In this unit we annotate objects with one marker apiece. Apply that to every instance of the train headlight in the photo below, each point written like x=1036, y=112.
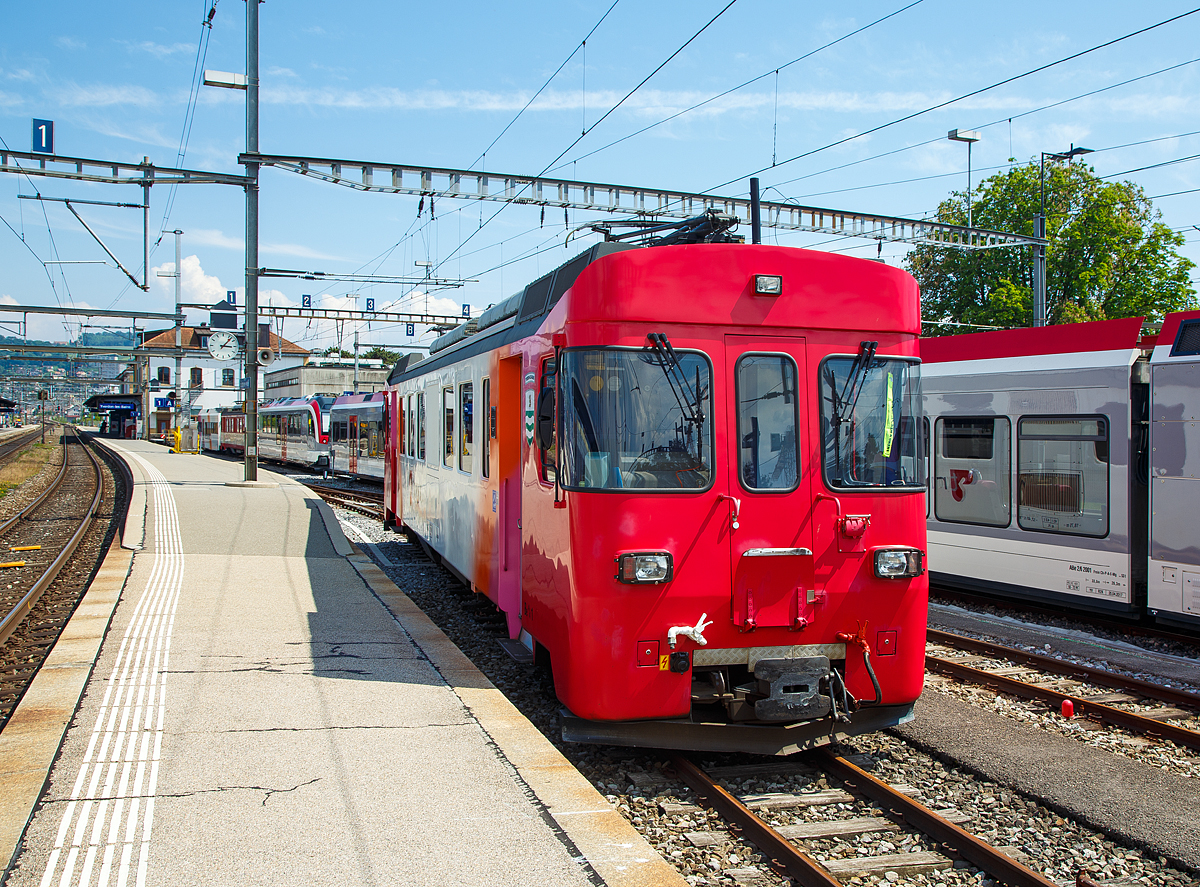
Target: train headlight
x=899, y=563
x=645, y=568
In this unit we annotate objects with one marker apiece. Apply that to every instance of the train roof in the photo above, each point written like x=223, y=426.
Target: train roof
x=692, y=284
x=346, y=400
x=1067, y=338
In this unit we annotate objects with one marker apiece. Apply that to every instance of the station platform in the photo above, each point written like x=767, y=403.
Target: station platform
x=244, y=698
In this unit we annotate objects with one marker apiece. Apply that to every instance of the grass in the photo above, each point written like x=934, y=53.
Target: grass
x=23, y=466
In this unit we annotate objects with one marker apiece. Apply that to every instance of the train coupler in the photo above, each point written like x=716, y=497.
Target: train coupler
x=792, y=689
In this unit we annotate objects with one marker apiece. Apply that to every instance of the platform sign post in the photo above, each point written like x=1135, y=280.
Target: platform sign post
x=43, y=398
x=43, y=136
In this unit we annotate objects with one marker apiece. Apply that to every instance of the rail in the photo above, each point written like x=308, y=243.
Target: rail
x=22, y=608
x=370, y=504
x=807, y=871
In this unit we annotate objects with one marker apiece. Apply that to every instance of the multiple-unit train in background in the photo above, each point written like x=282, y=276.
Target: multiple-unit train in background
x=1066, y=465
x=357, y=435
x=290, y=429
x=692, y=476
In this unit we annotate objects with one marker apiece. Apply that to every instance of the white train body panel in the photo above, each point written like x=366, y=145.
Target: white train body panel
x=1031, y=488
x=1173, y=590
x=444, y=502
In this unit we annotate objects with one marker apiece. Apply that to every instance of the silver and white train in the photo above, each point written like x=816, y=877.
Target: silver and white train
x=1066, y=465
x=357, y=435
x=295, y=429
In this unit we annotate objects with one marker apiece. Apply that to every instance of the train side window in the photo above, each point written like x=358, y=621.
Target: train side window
x=546, y=421
x=1062, y=474
x=420, y=414
x=485, y=465
x=972, y=474
x=448, y=427
x=411, y=423
x=769, y=451
x=466, y=409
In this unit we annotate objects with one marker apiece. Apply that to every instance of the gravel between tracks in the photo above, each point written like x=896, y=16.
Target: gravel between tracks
x=1059, y=847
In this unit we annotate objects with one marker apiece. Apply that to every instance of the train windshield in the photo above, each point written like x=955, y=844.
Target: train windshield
x=636, y=419
x=871, y=421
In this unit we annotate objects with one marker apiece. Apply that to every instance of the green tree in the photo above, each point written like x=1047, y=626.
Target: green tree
x=335, y=351
x=1108, y=254
x=380, y=353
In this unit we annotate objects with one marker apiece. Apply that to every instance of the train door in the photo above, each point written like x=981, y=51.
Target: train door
x=352, y=443
x=506, y=477
x=770, y=494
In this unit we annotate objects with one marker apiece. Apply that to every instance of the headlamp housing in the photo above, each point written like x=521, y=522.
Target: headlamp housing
x=645, y=568
x=899, y=563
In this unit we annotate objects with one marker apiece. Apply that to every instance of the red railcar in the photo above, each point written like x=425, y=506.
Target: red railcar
x=693, y=476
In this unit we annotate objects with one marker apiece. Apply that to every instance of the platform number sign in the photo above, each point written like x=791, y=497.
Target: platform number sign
x=231, y=297
x=43, y=136
x=410, y=329
x=466, y=310
x=306, y=301
x=370, y=304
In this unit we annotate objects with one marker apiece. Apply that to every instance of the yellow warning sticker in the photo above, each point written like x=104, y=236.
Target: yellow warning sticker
x=664, y=663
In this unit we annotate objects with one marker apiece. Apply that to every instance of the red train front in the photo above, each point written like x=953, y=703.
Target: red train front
x=696, y=481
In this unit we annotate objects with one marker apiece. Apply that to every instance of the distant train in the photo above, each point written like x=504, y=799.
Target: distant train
x=357, y=435
x=1066, y=465
x=692, y=477
x=222, y=430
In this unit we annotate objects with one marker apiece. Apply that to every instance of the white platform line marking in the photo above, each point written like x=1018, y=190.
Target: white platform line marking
x=127, y=736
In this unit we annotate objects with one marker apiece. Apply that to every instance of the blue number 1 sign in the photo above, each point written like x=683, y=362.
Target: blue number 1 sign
x=43, y=136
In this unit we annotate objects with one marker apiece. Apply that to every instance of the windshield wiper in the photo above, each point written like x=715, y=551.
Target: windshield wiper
x=689, y=402
x=842, y=406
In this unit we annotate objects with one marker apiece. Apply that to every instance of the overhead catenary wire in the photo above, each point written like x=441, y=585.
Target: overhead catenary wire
x=602, y=118
x=962, y=97
x=752, y=80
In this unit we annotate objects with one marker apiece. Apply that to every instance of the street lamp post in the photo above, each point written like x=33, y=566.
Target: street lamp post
x=970, y=137
x=1039, y=265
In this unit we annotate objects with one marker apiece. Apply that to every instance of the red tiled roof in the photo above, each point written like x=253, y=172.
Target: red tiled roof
x=190, y=338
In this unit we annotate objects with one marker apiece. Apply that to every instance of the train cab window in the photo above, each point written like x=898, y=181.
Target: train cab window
x=768, y=419
x=870, y=422
x=448, y=427
x=1062, y=474
x=972, y=467
x=420, y=415
x=545, y=428
x=466, y=443
x=485, y=466
x=630, y=419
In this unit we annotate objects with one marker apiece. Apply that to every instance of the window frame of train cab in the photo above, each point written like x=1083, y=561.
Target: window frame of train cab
x=485, y=465
x=466, y=430
x=938, y=454
x=742, y=435
x=567, y=354
x=912, y=396
x=1102, y=435
x=547, y=456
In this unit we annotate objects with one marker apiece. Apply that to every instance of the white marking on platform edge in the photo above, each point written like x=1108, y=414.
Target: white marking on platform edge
x=117, y=779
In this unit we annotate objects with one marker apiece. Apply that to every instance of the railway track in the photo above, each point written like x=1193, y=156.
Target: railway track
x=1142, y=707
x=369, y=504
x=823, y=846
x=18, y=442
x=41, y=574
x=43, y=536
x=1140, y=626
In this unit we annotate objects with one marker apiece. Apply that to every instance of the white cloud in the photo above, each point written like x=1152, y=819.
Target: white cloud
x=213, y=237
x=10, y=100
x=296, y=250
x=22, y=74
x=159, y=50
x=195, y=285
x=103, y=96
x=69, y=43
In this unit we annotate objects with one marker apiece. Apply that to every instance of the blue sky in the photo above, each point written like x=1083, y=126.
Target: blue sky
x=435, y=84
